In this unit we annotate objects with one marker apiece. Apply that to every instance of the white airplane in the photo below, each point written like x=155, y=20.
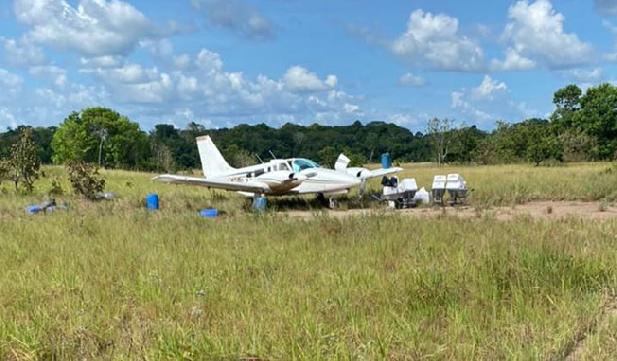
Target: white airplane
x=278, y=177
x=362, y=173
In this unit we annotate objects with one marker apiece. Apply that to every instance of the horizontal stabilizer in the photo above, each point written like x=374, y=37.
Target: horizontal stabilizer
x=383, y=171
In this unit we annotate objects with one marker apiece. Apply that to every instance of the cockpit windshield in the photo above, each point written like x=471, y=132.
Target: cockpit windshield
x=301, y=164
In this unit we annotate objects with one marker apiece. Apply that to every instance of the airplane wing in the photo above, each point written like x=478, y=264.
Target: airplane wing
x=382, y=172
x=342, y=162
x=221, y=183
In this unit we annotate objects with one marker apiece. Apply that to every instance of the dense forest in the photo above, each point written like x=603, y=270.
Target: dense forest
x=582, y=127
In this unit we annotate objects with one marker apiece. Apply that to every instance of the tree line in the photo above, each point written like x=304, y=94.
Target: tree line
x=582, y=127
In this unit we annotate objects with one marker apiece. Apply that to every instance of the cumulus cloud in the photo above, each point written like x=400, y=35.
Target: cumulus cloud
x=488, y=102
x=58, y=75
x=512, y=61
x=92, y=28
x=7, y=119
x=10, y=82
x=298, y=78
x=236, y=16
x=201, y=83
x=586, y=75
x=408, y=119
x=459, y=102
x=104, y=61
x=535, y=34
x=488, y=88
x=410, y=79
x=21, y=52
x=434, y=41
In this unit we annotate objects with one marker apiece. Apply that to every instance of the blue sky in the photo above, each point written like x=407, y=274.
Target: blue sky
x=226, y=62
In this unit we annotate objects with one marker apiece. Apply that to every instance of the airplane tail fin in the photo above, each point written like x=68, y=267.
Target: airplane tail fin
x=212, y=161
x=341, y=162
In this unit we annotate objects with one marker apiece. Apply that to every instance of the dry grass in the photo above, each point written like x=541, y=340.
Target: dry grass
x=112, y=281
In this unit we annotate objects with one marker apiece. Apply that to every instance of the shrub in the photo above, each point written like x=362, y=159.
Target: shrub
x=85, y=179
x=56, y=188
x=4, y=170
x=24, y=164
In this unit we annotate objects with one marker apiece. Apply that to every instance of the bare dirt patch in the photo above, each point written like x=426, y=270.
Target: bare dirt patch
x=536, y=209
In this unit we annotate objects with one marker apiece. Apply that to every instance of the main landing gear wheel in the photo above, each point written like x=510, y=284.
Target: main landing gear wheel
x=326, y=202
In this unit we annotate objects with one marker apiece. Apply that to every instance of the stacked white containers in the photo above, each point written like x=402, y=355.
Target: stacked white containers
x=438, y=189
x=456, y=186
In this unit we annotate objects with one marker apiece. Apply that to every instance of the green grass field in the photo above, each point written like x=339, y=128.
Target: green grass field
x=110, y=280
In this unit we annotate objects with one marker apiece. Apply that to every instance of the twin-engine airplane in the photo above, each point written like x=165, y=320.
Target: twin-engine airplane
x=278, y=177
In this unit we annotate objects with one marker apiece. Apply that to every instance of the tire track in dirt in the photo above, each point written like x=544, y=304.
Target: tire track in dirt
x=575, y=350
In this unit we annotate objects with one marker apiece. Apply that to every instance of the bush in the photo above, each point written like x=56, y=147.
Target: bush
x=56, y=188
x=4, y=170
x=578, y=146
x=85, y=179
x=24, y=164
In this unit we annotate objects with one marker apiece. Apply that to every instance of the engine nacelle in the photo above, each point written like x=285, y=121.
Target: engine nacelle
x=282, y=181
x=358, y=172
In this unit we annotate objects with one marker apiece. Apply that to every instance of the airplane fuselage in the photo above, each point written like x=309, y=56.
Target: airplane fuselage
x=293, y=176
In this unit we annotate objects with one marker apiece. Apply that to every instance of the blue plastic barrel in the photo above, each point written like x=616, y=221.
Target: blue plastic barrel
x=386, y=161
x=260, y=204
x=152, y=201
x=209, y=213
x=33, y=209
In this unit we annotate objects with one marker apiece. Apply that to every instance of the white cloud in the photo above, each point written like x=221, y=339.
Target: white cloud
x=21, y=52
x=408, y=120
x=613, y=29
x=459, y=103
x=58, y=75
x=201, y=83
x=350, y=108
x=7, y=119
x=236, y=16
x=488, y=102
x=513, y=61
x=488, y=88
x=586, y=75
x=104, y=61
x=298, y=78
x=535, y=33
x=11, y=83
x=92, y=28
x=209, y=61
x=433, y=41
x=411, y=79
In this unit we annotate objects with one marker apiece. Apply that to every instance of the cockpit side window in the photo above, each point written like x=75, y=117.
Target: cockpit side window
x=283, y=166
x=301, y=164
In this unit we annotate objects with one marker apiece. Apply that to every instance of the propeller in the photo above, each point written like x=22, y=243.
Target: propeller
x=363, y=174
x=362, y=187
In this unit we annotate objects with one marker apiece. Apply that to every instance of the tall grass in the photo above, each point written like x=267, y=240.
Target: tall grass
x=520, y=183
x=112, y=281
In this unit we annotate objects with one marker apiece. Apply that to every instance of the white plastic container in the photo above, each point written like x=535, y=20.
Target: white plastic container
x=407, y=185
x=455, y=182
x=439, y=182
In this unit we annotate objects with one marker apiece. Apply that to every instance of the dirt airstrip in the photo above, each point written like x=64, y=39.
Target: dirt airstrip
x=535, y=209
